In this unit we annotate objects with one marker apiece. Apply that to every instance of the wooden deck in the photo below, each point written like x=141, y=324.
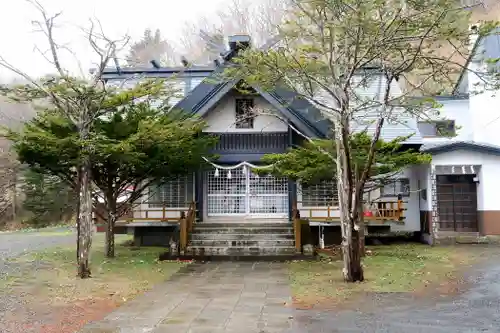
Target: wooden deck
x=378, y=212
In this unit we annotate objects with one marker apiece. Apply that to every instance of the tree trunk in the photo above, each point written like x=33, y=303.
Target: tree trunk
x=352, y=271
x=354, y=267
x=85, y=217
x=362, y=241
x=361, y=224
x=78, y=190
x=110, y=225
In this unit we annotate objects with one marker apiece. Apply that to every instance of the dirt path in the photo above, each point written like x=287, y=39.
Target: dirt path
x=20, y=310
x=474, y=310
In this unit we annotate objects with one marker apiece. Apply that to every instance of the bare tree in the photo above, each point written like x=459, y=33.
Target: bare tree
x=12, y=115
x=346, y=57
x=203, y=39
x=78, y=99
x=151, y=47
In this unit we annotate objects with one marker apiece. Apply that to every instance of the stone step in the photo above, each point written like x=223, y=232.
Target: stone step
x=240, y=250
x=240, y=220
x=246, y=236
x=207, y=225
x=243, y=225
x=247, y=231
x=243, y=243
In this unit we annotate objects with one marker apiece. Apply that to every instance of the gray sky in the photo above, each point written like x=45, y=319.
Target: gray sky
x=18, y=40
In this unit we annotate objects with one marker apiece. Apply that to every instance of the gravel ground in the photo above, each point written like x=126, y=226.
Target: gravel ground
x=475, y=310
x=13, y=244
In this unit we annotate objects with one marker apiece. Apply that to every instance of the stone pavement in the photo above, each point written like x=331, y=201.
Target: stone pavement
x=227, y=297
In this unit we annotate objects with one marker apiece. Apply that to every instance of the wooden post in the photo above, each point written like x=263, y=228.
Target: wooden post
x=163, y=213
x=400, y=209
x=297, y=231
x=183, y=234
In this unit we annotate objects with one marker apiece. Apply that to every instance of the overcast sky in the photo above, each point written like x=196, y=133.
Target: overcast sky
x=18, y=40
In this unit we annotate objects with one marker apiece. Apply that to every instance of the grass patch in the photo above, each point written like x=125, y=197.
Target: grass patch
x=391, y=268
x=51, y=274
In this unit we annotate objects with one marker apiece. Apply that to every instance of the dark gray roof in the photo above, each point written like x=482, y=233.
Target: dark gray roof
x=121, y=73
x=299, y=111
x=296, y=109
x=442, y=147
x=485, y=47
x=197, y=98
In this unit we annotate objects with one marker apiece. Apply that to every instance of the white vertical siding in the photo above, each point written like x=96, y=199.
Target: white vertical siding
x=401, y=123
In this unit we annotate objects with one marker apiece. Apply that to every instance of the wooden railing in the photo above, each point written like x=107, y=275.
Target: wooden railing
x=378, y=211
x=297, y=228
x=179, y=216
x=186, y=226
x=160, y=214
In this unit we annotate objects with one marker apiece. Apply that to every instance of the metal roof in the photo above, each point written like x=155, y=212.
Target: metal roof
x=485, y=47
x=442, y=147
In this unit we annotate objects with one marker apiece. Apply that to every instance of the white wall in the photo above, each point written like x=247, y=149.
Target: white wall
x=411, y=203
x=223, y=117
x=459, y=111
x=424, y=175
x=489, y=179
x=484, y=108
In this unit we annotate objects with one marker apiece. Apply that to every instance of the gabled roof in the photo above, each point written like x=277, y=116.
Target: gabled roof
x=442, y=147
x=299, y=111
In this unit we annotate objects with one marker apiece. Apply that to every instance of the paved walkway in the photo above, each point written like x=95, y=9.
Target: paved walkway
x=211, y=297
x=251, y=297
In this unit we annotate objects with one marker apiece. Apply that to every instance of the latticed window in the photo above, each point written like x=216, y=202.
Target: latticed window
x=174, y=193
x=395, y=188
x=320, y=195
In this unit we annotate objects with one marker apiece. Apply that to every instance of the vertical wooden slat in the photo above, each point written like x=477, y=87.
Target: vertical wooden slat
x=297, y=231
x=163, y=212
x=400, y=209
x=183, y=234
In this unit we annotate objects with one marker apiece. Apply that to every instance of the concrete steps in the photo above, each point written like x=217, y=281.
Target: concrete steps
x=243, y=230
x=243, y=243
x=205, y=250
x=239, y=239
x=240, y=236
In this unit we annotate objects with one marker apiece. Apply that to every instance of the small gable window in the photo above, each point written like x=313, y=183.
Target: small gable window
x=244, y=113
